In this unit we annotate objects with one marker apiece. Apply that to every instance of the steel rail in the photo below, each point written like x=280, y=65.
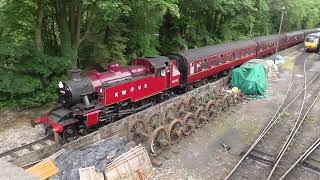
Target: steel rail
x=270, y=124
x=26, y=146
x=294, y=128
x=311, y=149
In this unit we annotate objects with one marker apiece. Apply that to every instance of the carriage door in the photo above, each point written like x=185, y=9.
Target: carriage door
x=167, y=69
x=174, y=75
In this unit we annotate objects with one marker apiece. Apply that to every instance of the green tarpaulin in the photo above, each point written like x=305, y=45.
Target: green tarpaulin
x=250, y=78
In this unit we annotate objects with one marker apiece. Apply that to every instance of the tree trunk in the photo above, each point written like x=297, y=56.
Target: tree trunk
x=37, y=34
x=64, y=33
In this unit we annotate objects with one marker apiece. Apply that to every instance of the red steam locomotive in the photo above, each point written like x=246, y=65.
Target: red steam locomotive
x=87, y=103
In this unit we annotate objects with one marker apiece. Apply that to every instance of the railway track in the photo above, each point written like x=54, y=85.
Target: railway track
x=267, y=157
x=12, y=154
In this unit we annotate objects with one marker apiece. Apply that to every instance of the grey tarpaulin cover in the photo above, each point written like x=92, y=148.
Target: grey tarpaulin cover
x=98, y=155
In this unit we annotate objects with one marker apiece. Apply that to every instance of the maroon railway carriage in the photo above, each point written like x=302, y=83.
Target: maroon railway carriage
x=267, y=44
x=101, y=98
x=294, y=38
x=198, y=64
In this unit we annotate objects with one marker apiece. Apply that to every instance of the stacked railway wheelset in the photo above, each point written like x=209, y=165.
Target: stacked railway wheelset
x=159, y=130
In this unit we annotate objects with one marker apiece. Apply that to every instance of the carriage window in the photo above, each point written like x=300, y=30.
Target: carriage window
x=243, y=53
x=205, y=64
x=253, y=51
x=221, y=59
x=214, y=61
x=191, y=68
x=229, y=57
x=198, y=64
x=238, y=54
x=248, y=52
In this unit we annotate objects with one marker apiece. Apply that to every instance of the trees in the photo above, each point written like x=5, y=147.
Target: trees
x=40, y=40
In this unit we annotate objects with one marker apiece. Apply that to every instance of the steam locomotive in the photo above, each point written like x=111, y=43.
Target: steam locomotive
x=100, y=98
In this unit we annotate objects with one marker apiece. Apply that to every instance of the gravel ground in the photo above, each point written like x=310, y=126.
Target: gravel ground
x=202, y=155
x=15, y=129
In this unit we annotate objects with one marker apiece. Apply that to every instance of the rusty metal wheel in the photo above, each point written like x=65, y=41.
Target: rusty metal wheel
x=188, y=124
x=219, y=107
x=225, y=103
x=206, y=98
x=158, y=140
x=181, y=109
x=182, y=106
x=235, y=99
x=200, y=116
x=217, y=91
x=231, y=100
x=169, y=115
x=153, y=121
x=135, y=129
x=192, y=101
x=212, y=109
x=175, y=131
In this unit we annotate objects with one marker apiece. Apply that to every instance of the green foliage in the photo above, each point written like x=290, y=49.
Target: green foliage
x=92, y=33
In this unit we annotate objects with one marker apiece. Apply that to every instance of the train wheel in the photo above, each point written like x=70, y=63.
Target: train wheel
x=200, y=116
x=175, y=131
x=225, y=104
x=159, y=139
x=69, y=134
x=192, y=101
x=154, y=121
x=235, y=99
x=168, y=115
x=231, y=100
x=181, y=108
x=211, y=109
x=135, y=129
x=188, y=124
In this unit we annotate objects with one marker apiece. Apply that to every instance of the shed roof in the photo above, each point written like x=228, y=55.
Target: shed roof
x=194, y=54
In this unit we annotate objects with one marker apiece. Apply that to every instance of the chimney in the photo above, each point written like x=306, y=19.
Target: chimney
x=75, y=74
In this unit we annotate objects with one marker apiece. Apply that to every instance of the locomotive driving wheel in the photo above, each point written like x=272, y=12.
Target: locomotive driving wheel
x=225, y=103
x=188, y=124
x=136, y=130
x=200, y=116
x=168, y=115
x=154, y=121
x=181, y=107
x=158, y=140
x=211, y=108
x=175, y=131
x=69, y=134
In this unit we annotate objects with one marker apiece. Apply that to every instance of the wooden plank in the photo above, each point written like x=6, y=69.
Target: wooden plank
x=43, y=170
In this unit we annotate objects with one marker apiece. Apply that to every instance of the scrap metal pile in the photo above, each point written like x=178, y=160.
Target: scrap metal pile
x=160, y=130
